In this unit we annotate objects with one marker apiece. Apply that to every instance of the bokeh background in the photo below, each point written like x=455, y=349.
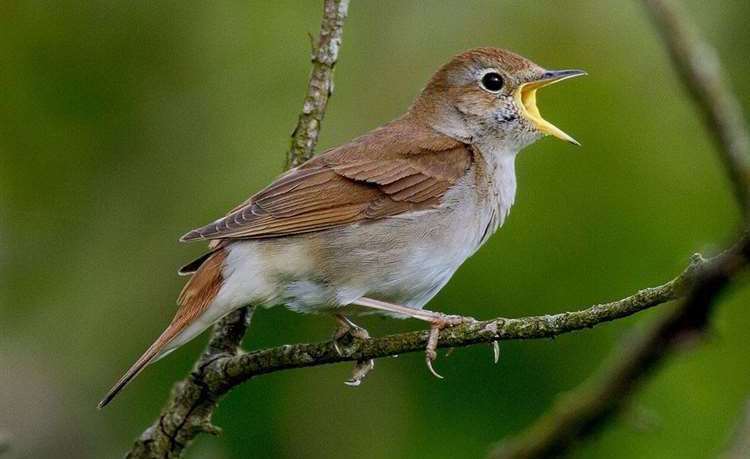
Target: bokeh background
x=124, y=124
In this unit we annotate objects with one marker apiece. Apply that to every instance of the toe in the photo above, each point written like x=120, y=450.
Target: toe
x=429, y=360
x=361, y=369
x=496, y=351
x=360, y=333
x=336, y=347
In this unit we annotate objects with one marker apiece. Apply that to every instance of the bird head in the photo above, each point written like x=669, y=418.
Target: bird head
x=490, y=94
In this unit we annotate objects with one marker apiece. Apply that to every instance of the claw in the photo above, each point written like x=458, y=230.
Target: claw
x=349, y=329
x=496, y=351
x=360, y=370
x=432, y=341
x=430, y=353
x=438, y=320
x=336, y=346
x=432, y=370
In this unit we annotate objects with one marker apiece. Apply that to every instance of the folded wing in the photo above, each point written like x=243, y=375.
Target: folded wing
x=388, y=172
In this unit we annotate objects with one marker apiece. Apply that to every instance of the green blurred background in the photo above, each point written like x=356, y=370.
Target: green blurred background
x=124, y=124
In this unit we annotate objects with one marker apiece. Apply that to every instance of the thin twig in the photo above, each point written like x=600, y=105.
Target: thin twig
x=586, y=410
x=697, y=64
x=215, y=378
x=231, y=371
x=189, y=410
x=320, y=87
x=190, y=406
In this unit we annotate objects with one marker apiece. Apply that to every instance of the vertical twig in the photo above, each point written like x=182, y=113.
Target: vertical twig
x=325, y=53
x=698, y=66
x=190, y=406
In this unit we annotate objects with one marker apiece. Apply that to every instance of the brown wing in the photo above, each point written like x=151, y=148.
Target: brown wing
x=387, y=172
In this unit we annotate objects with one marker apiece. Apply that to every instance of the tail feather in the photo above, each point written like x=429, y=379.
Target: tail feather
x=193, y=266
x=194, y=300
x=149, y=356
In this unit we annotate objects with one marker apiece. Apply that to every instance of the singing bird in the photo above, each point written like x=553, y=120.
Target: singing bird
x=381, y=223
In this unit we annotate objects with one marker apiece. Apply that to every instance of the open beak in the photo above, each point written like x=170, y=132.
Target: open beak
x=526, y=99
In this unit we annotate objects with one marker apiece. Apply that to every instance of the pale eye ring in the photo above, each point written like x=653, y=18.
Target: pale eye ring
x=492, y=82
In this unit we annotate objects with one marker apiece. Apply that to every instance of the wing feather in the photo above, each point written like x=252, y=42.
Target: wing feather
x=388, y=172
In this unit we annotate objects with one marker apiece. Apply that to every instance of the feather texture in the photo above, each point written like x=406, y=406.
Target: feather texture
x=398, y=168
x=195, y=298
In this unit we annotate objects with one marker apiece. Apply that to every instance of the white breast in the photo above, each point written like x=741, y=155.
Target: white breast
x=500, y=186
x=436, y=243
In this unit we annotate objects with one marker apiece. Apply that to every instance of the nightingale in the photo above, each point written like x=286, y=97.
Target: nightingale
x=381, y=223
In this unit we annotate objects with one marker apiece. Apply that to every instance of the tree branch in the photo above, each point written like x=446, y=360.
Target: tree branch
x=586, y=410
x=231, y=371
x=220, y=368
x=188, y=410
x=190, y=406
x=324, y=56
x=698, y=66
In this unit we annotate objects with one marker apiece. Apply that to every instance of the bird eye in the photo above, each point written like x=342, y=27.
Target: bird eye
x=492, y=82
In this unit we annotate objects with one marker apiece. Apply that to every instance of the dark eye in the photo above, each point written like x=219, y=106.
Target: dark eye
x=492, y=82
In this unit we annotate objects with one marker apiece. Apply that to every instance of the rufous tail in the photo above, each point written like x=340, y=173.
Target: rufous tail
x=194, y=300
x=151, y=353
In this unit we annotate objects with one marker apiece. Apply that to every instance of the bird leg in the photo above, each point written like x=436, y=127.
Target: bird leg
x=361, y=369
x=437, y=320
x=347, y=328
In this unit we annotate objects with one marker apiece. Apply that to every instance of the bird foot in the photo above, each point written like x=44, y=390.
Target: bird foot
x=441, y=322
x=346, y=333
x=360, y=370
x=344, y=336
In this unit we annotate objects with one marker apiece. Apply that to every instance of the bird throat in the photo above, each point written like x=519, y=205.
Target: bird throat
x=499, y=187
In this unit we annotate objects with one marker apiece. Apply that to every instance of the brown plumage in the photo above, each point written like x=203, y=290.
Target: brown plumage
x=400, y=167
x=389, y=216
